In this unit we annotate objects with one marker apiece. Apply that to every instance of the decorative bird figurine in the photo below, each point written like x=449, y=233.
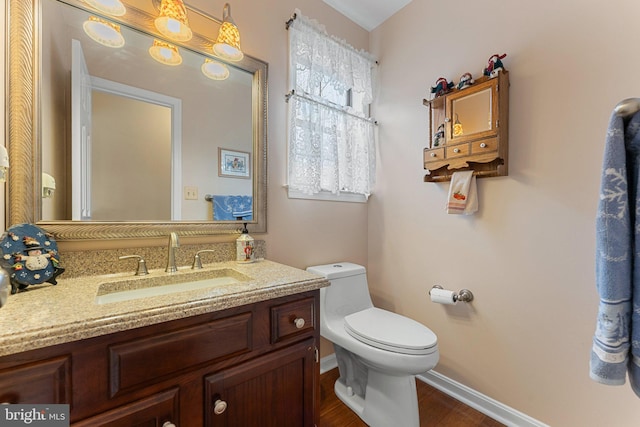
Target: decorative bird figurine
x=494, y=65
x=466, y=80
x=442, y=86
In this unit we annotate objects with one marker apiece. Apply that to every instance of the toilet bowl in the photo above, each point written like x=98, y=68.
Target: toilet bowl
x=378, y=352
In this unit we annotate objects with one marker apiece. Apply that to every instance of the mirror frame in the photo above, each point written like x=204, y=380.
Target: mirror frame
x=22, y=121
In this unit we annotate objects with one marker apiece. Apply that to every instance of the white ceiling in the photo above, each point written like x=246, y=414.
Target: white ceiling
x=367, y=13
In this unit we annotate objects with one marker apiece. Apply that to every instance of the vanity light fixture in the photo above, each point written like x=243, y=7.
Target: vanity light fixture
x=457, y=127
x=227, y=45
x=110, y=7
x=214, y=70
x=172, y=21
x=48, y=186
x=104, y=32
x=165, y=53
x=4, y=163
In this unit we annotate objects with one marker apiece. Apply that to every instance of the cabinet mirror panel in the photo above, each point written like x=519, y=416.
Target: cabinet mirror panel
x=101, y=121
x=471, y=114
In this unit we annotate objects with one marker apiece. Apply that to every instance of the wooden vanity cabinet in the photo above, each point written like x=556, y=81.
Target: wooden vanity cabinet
x=474, y=130
x=253, y=365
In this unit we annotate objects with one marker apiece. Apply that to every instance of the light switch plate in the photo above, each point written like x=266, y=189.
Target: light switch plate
x=191, y=193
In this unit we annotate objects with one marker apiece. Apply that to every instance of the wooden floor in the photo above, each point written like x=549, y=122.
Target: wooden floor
x=436, y=408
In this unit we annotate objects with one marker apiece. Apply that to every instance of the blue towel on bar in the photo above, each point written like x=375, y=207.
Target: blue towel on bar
x=232, y=208
x=616, y=343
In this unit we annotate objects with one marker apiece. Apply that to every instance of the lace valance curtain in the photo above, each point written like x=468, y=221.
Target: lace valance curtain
x=331, y=146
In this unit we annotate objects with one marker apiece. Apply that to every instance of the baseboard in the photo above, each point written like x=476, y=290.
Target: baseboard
x=328, y=363
x=478, y=401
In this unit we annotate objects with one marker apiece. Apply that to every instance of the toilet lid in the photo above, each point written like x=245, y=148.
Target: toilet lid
x=390, y=331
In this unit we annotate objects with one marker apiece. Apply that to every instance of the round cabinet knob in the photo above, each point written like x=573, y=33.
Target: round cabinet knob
x=433, y=154
x=456, y=150
x=168, y=424
x=299, y=322
x=219, y=407
x=483, y=145
x=447, y=119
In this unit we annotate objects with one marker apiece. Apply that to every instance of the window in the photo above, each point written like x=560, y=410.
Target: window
x=331, y=137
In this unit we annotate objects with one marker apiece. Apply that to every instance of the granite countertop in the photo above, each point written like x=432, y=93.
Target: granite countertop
x=46, y=315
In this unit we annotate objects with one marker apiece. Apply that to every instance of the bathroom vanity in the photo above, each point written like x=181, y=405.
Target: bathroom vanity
x=236, y=355
x=240, y=353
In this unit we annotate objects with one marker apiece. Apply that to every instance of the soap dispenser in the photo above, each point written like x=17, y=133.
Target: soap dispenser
x=245, y=246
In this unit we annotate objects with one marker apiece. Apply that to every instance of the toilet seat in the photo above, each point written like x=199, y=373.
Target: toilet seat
x=390, y=331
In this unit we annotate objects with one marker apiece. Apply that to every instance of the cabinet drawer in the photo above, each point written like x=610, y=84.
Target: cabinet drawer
x=433, y=155
x=46, y=381
x=484, y=146
x=147, y=360
x=155, y=410
x=292, y=318
x=457, y=151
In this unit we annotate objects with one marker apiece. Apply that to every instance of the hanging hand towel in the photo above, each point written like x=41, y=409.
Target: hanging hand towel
x=463, y=194
x=615, y=352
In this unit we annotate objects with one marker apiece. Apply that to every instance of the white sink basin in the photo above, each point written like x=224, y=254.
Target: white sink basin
x=165, y=284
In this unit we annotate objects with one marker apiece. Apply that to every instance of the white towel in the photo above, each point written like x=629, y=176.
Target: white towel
x=463, y=194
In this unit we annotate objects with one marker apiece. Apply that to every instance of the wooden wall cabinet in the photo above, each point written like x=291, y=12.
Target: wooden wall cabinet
x=474, y=125
x=254, y=365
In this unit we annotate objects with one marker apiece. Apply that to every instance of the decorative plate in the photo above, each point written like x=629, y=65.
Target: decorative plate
x=30, y=255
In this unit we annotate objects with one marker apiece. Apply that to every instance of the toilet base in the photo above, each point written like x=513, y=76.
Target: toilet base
x=389, y=400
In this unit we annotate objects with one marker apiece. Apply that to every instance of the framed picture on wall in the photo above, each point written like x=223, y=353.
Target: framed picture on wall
x=234, y=164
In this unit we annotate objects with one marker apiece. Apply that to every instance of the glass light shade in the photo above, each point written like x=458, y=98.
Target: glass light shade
x=110, y=7
x=165, y=53
x=214, y=70
x=227, y=45
x=172, y=21
x=4, y=163
x=457, y=127
x=104, y=32
x=48, y=186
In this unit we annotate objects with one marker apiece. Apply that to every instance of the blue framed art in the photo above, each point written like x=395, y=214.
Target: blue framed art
x=234, y=164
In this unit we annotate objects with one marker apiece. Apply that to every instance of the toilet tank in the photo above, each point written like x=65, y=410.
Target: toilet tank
x=348, y=292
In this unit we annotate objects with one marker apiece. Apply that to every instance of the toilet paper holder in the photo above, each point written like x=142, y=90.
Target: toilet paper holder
x=465, y=295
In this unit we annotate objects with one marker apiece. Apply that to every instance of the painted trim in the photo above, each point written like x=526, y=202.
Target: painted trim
x=478, y=401
x=328, y=363
x=327, y=196
x=470, y=397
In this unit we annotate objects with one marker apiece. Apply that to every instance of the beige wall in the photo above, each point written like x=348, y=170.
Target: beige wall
x=528, y=255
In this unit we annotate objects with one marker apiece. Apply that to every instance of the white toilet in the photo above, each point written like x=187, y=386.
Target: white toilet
x=378, y=352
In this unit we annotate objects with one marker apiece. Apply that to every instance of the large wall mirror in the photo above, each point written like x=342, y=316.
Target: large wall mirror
x=137, y=148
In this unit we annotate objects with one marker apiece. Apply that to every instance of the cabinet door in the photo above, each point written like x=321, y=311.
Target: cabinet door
x=275, y=390
x=473, y=113
x=158, y=410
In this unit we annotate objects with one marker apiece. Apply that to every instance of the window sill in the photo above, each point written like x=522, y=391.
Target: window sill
x=328, y=196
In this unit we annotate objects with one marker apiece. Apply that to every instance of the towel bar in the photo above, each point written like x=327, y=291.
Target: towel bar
x=627, y=107
x=447, y=177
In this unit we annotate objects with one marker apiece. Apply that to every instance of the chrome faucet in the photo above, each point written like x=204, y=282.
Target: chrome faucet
x=171, y=253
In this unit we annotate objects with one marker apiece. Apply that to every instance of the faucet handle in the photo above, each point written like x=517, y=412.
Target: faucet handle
x=142, y=265
x=197, y=262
